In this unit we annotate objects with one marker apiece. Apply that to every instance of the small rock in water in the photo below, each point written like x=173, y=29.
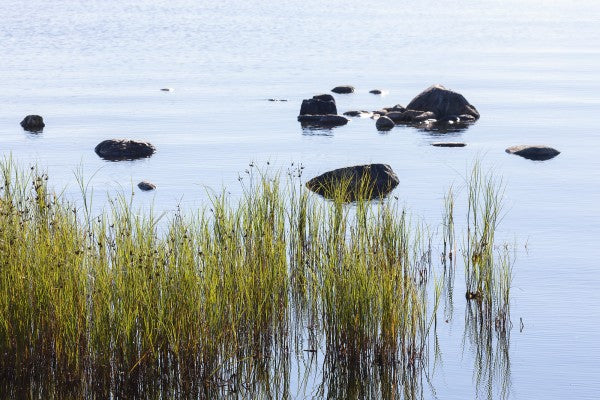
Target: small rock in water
x=343, y=89
x=384, y=123
x=534, y=152
x=375, y=91
x=146, y=186
x=360, y=113
x=166, y=90
x=448, y=144
x=277, y=99
x=33, y=123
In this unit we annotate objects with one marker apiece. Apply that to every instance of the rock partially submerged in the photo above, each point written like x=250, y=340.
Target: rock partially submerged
x=384, y=123
x=33, y=123
x=534, y=152
x=356, y=182
x=443, y=103
x=330, y=120
x=375, y=91
x=358, y=113
x=448, y=144
x=124, y=149
x=343, y=89
x=146, y=186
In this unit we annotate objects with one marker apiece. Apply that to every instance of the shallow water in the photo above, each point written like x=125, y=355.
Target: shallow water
x=94, y=69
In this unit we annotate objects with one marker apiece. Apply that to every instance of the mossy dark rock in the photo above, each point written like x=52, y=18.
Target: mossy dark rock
x=534, y=152
x=33, y=123
x=443, y=103
x=124, y=149
x=343, y=89
x=359, y=181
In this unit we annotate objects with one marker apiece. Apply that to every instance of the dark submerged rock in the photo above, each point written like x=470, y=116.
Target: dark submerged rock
x=146, y=186
x=333, y=120
x=360, y=181
x=375, y=91
x=448, y=144
x=343, y=89
x=397, y=107
x=124, y=149
x=384, y=123
x=358, y=113
x=33, y=123
x=534, y=152
x=317, y=106
x=443, y=103
x=323, y=120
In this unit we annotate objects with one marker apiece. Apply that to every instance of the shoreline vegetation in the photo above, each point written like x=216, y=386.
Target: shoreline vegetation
x=219, y=302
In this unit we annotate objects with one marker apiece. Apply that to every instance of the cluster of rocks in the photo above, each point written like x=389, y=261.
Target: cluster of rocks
x=434, y=108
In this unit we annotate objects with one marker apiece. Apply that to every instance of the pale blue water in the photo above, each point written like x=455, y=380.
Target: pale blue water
x=93, y=69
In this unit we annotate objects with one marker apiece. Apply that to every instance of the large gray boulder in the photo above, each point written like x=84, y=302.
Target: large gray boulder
x=357, y=182
x=443, y=103
x=534, y=152
x=33, y=123
x=124, y=149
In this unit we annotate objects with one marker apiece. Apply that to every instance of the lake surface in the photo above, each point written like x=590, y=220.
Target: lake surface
x=94, y=71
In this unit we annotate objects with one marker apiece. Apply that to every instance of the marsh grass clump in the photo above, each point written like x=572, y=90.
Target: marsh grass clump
x=214, y=302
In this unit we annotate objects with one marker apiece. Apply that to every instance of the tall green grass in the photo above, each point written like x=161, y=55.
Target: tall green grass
x=215, y=302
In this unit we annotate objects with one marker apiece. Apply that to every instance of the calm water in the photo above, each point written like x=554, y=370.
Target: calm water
x=93, y=69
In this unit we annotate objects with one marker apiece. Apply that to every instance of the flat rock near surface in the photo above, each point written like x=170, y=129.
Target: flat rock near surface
x=343, y=89
x=534, y=152
x=448, y=144
x=359, y=181
x=33, y=123
x=124, y=149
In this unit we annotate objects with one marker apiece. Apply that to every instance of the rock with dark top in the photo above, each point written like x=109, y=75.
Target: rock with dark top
x=146, y=186
x=319, y=105
x=443, y=103
x=384, y=123
x=351, y=183
x=324, y=97
x=375, y=91
x=124, y=149
x=33, y=123
x=343, y=89
x=448, y=144
x=534, y=152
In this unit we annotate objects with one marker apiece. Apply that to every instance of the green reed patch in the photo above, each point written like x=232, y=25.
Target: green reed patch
x=213, y=302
